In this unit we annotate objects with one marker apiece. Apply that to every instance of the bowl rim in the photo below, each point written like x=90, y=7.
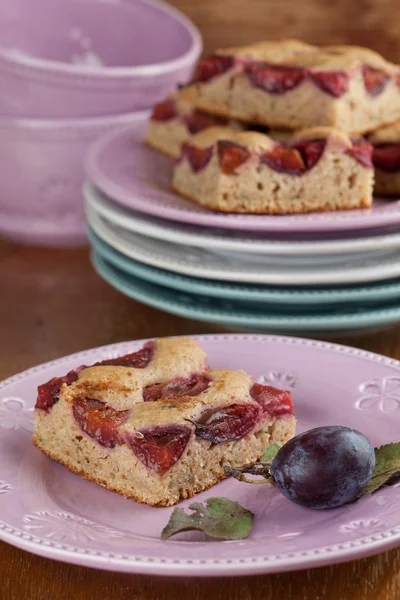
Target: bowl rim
x=119, y=120
x=32, y=63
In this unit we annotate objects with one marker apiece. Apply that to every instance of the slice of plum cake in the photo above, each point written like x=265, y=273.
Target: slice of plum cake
x=296, y=85
x=158, y=425
x=318, y=169
x=176, y=119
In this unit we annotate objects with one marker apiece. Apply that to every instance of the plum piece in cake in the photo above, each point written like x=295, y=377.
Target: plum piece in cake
x=295, y=85
x=386, y=159
x=159, y=425
x=176, y=119
x=248, y=172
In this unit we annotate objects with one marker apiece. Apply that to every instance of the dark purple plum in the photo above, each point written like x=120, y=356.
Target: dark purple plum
x=324, y=467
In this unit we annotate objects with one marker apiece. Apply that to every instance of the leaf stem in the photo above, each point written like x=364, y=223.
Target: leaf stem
x=251, y=469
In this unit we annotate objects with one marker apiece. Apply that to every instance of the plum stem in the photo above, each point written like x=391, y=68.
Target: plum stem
x=251, y=469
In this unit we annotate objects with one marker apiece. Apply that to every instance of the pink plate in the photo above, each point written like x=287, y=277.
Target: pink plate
x=139, y=178
x=47, y=510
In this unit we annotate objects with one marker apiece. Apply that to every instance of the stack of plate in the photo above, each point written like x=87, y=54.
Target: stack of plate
x=318, y=273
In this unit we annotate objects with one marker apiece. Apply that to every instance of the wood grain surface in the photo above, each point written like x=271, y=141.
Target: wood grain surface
x=372, y=23
x=52, y=303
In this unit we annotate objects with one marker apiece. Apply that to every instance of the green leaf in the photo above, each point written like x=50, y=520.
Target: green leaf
x=270, y=453
x=387, y=465
x=217, y=517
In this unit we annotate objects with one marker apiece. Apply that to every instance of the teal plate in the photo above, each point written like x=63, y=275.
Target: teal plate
x=203, y=308
x=326, y=298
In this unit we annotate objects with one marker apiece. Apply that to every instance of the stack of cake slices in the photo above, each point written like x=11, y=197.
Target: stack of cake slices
x=265, y=197
x=284, y=127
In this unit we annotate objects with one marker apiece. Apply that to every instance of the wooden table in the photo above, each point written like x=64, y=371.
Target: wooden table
x=52, y=303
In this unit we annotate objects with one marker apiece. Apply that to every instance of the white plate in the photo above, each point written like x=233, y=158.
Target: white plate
x=207, y=264
x=227, y=240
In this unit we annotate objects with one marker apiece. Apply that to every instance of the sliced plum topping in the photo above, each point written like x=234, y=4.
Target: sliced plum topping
x=335, y=83
x=49, y=393
x=284, y=159
x=136, y=360
x=164, y=111
x=159, y=448
x=231, y=156
x=311, y=151
x=226, y=423
x=274, y=79
x=361, y=151
x=211, y=67
x=274, y=402
x=387, y=157
x=99, y=421
x=197, y=157
x=296, y=158
x=177, y=388
x=375, y=80
x=197, y=121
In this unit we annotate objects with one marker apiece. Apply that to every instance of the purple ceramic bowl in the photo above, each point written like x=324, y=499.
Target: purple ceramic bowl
x=75, y=58
x=42, y=165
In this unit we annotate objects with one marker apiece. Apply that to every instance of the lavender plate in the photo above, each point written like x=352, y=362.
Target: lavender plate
x=139, y=178
x=49, y=511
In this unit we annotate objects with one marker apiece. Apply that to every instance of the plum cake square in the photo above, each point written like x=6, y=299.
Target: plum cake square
x=175, y=120
x=386, y=159
x=295, y=85
x=249, y=172
x=158, y=425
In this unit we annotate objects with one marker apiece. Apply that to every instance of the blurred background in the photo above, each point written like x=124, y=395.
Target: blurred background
x=371, y=23
x=52, y=296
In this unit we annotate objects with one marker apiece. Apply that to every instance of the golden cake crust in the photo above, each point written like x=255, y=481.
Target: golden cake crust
x=337, y=181
x=389, y=134
x=121, y=387
x=298, y=53
x=330, y=133
x=348, y=96
x=119, y=392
